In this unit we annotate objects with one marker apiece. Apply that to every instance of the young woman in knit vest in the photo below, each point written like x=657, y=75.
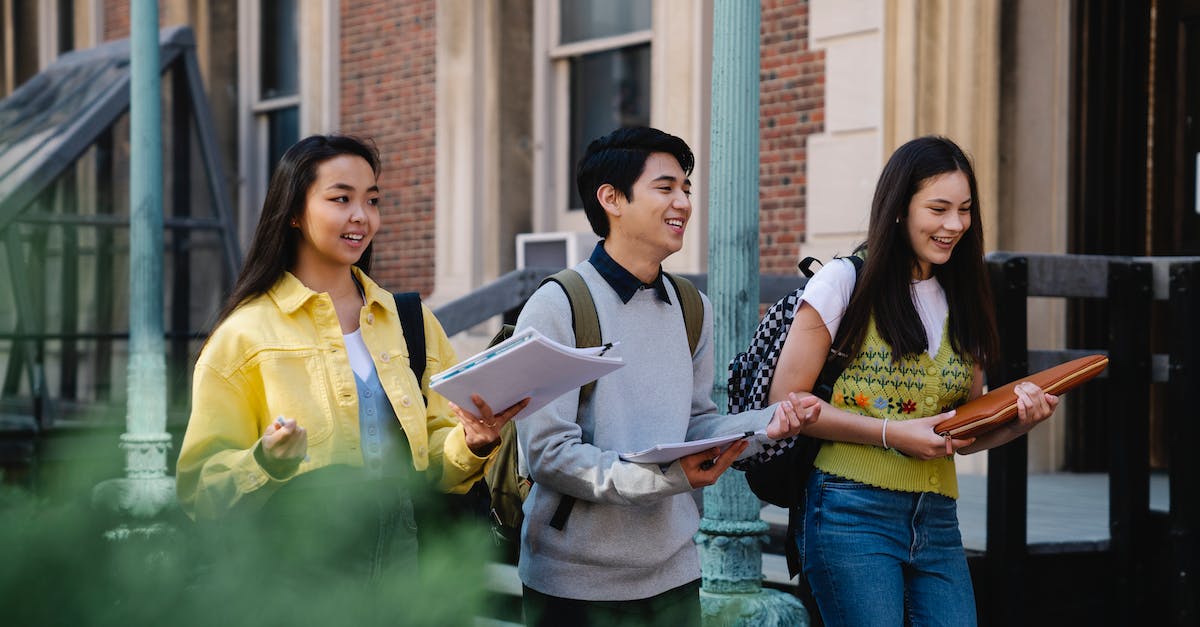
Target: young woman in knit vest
x=880, y=540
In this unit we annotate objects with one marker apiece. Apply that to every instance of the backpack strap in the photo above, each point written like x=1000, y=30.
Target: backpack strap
x=586, y=323
x=584, y=319
x=835, y=364
x=412, y=324
x=693, y=308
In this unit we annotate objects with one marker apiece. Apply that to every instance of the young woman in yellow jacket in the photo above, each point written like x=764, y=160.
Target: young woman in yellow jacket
x=307, y=370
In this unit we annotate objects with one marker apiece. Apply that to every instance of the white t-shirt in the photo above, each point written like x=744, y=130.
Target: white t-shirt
x=828, y=291
x=360, y=357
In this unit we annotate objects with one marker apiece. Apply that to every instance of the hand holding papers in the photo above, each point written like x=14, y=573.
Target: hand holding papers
x=528, y=364
x=667, y=453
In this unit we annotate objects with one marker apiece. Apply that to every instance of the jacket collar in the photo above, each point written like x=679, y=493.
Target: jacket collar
x=290, y=294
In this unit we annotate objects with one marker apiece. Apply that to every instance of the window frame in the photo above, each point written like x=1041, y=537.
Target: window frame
x=316, y=98
x=553, y=176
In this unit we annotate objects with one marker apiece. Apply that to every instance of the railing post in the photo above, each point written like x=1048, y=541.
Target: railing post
x=1130, y=296
x=1183, y=432
x=1007, y=478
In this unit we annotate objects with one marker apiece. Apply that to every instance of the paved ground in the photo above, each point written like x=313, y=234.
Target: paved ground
x=1063, y=507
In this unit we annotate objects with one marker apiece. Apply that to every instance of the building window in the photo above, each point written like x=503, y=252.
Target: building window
x=288, y=56
x=602, y=49
x=270, y=71
x=277, y=99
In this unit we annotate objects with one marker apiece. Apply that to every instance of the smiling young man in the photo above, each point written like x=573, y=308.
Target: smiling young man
x=625, y=554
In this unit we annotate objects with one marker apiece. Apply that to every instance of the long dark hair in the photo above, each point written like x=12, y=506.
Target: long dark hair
x=883, y=288
x=273, y=249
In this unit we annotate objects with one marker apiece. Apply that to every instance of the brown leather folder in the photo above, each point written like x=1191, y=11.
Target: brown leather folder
x=1000, y=405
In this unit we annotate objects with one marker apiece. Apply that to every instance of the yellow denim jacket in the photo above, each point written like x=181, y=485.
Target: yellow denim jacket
x=282, y=354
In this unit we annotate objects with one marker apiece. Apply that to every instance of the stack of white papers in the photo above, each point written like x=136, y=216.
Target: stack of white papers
x=528, y=364
x=667, y=453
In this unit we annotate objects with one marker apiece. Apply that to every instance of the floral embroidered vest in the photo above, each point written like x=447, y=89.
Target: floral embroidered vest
x=916, y=386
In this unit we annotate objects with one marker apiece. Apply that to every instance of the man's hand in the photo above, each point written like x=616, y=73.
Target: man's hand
x=703, y=468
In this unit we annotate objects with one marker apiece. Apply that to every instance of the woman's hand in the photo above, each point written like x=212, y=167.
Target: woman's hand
x=284, y=446
x=1033, y=406
x=285, y=441
x=704, y=468
x=483, y=430
x=793, y=415
x=917, y=438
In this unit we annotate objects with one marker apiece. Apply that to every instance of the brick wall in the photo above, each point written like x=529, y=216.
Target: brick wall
x=116, y=19
x=388, y=73
x=792, y=107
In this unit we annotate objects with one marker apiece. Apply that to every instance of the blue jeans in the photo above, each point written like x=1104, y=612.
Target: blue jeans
x=880, y=557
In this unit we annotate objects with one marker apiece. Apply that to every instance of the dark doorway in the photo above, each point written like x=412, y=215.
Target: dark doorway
x=1108, y=210
x=1175, y=197
x=1135, y=155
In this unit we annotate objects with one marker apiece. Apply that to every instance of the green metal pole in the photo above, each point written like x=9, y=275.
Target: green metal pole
x=146, y=489
x=732, y=533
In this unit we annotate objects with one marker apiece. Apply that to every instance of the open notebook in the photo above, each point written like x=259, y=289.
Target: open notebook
x=526, y=364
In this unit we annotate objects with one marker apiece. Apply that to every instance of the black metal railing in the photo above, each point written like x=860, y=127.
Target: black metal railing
x=1128, y=288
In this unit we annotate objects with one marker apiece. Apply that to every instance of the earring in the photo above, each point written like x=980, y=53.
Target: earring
x=897, y=221
x=296, y=224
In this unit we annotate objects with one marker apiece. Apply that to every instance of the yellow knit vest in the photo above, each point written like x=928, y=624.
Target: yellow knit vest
x=916, y=386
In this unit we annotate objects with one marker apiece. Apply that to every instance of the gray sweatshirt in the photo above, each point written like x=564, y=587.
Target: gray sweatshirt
x=630, y=533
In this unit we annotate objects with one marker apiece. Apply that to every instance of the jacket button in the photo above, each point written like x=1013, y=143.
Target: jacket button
x=934, y=481
x=385, y=357
x=370, y=318
x=932, y=370
x=405, y=401
x=929, y=400
x=421, y=451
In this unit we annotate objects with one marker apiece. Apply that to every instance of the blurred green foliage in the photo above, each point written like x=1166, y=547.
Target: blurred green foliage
x=57, y=567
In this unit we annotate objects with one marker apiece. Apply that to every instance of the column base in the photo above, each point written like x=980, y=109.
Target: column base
x=142, y=498
x=765, y=608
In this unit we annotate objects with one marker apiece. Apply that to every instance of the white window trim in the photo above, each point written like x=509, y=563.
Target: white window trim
x=580, y=48
x=47, y=18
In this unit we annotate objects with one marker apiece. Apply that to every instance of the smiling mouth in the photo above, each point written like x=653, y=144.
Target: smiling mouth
x=675, y=222
x=946, y=241
x=354, y=237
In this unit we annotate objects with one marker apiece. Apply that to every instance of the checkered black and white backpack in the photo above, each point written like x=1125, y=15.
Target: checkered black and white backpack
x=775, y=471
x=779, y=474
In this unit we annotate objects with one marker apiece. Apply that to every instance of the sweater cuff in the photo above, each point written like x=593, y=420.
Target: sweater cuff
x=277, y=470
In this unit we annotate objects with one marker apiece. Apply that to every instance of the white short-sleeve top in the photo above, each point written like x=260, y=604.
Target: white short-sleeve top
x=829, y=290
